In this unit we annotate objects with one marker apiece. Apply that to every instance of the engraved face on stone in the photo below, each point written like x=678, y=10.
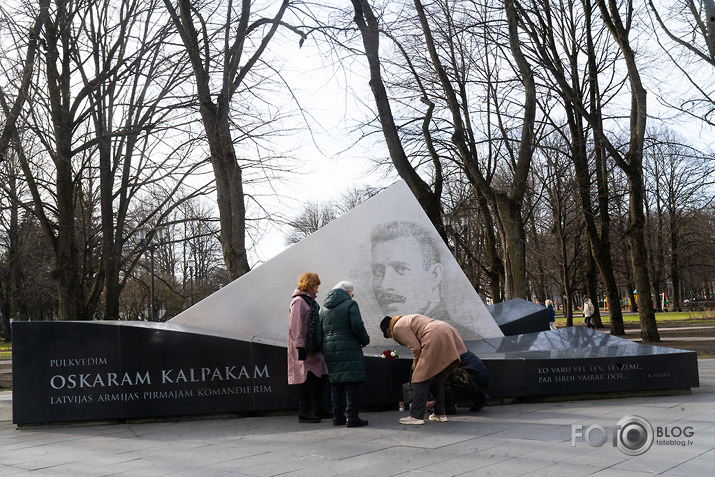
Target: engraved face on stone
x=387, y=247
x=406, y=270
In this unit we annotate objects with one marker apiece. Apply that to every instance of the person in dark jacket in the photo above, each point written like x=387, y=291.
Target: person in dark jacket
x=467, y=384
x=343, y=337
x=552, y=314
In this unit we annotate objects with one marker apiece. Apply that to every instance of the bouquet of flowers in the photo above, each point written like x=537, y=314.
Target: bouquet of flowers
x=389, y=354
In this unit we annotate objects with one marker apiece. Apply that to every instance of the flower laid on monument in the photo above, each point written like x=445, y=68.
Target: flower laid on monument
x=389, y=354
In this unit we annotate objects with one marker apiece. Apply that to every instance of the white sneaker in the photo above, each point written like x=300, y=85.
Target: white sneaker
x=411, y=420
x=435, y=417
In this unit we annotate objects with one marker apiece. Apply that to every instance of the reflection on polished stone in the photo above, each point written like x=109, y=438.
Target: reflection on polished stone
x=519, y=316
x=579, y=360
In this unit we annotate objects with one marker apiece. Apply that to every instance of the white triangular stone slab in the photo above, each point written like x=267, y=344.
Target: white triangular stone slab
x=255, y=306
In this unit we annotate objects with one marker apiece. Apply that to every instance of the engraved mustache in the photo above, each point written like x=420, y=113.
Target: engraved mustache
x=387, y=297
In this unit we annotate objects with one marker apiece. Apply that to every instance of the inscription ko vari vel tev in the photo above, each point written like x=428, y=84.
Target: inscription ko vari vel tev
x=587, y=372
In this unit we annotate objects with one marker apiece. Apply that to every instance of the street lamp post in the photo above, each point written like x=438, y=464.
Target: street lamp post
x=190, y=262
x=151, y=246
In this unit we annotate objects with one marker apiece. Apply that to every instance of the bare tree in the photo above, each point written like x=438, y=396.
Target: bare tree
x=566, y=41
x=474, y=245
x=632, y=164
x=225, y=46
x=618, y=22
x=353, y=197
x=316, y=215
x=313, y=217
x=689, y=28
x=25, y=259
x=428, y=197
x=33, y=42
x=439, y=70
x=680, y=182
x=129, y=113
x=91, y=142
x=567, y=228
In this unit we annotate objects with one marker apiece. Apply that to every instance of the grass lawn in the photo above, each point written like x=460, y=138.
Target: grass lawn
x=693, y=318
x=5, y=350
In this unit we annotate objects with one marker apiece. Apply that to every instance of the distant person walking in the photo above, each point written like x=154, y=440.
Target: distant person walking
x=436, y=347
x=588, y=311
x=343, y=337
x=306, y=369
x=552, y=314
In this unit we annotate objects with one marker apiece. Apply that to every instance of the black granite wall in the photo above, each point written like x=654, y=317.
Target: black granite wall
x=80, y=371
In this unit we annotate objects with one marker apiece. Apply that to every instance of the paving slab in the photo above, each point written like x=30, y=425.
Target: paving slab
x=528, y=439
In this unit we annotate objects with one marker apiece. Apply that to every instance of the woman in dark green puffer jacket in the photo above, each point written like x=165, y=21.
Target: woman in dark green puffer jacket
x=343, y=336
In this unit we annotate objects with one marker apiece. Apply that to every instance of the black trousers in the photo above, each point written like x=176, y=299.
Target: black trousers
x=419, y=403
x=345, y=395
x=312, y=392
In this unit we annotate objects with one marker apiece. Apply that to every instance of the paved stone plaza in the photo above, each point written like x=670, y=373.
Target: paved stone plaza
x=533, y=439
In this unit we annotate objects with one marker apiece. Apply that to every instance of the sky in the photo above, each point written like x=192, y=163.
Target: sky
x=339, y=98
x=328, y=164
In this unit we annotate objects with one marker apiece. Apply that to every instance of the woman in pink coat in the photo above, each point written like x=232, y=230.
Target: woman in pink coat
x=435, y=347
x=308, y=370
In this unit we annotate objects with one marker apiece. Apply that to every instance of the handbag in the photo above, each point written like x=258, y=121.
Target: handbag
x=408, y=391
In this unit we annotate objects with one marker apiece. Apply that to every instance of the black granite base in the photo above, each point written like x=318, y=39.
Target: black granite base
x=579, y=360
x=80, y=371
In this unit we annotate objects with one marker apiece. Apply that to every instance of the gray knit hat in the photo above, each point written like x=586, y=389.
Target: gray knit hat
x=344, y=285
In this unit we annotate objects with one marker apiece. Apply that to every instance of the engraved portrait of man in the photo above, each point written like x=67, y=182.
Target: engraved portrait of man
x=406, y=270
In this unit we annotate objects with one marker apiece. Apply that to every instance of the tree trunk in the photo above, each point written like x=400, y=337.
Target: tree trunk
x=67, y=259
x=8, y=281
x=633, y=167
x=495, y=267
x=229, y=190
x=512, y=229
x=675, y=265
x=592, y=286
x=108, y=275
x=567, y=301
x=639, y=257
x=15, y=262
x=516, y=244
x=5, y=311
x=565, y=278
x=67, y=262
x=600, y=240
x=370, y=31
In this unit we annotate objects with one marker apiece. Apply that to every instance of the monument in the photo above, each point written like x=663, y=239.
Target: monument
x=227, y=353
x=518, y=316
x=386, y=247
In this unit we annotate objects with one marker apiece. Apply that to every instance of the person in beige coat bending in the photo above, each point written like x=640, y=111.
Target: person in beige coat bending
x=435, y=347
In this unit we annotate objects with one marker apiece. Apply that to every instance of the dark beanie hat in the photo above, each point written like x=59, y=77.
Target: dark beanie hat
x=385, y=326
